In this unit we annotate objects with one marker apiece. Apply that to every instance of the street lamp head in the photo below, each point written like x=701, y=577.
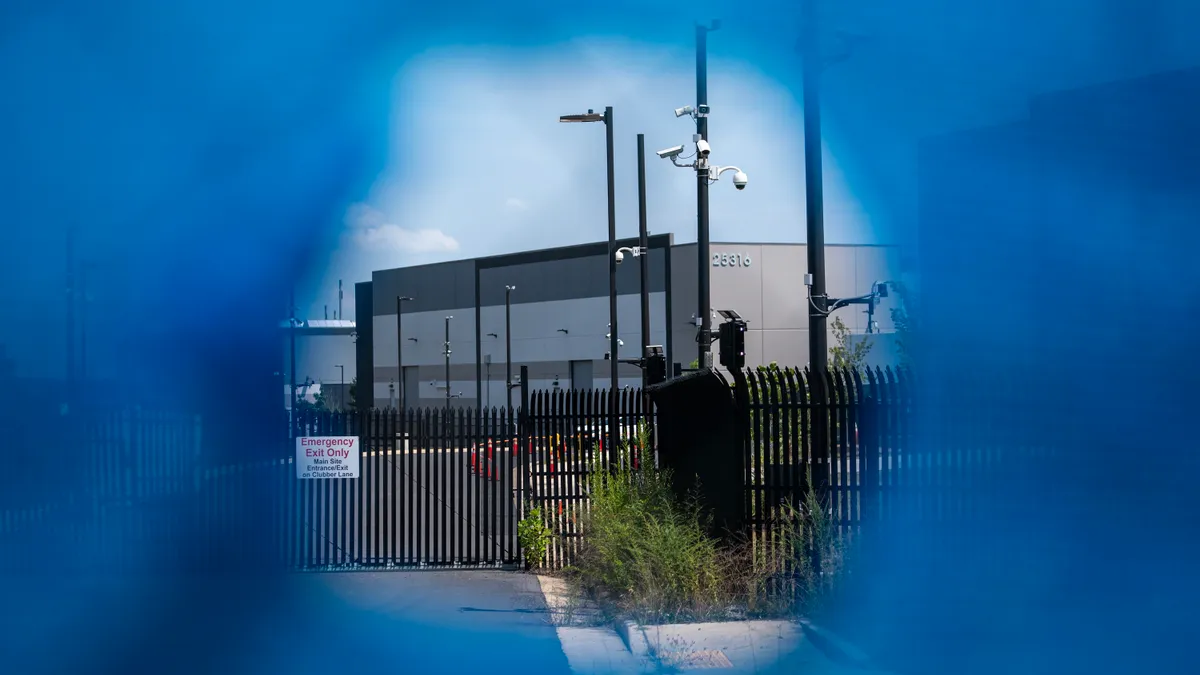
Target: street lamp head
x=590, y=116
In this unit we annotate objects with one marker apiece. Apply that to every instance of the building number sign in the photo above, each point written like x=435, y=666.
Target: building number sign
x=730, y=260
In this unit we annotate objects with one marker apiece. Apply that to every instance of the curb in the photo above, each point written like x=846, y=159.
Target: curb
x=633, y=637
x=833, y=646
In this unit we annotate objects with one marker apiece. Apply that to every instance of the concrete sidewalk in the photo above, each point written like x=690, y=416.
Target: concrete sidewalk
x=796, y=648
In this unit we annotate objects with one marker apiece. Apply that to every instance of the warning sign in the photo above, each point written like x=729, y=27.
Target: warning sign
x=327, y=457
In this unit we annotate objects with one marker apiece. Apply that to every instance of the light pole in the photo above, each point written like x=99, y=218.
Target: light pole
x=400, y=300
x=508, y=384
x=818, y=341
x=704, y=336
x=446, y=352
x=607, y=119
x=644, y=243
x=292, y=352
x=342, y=388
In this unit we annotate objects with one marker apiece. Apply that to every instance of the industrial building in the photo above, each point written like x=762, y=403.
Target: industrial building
x=559, y=309
x=324, y=355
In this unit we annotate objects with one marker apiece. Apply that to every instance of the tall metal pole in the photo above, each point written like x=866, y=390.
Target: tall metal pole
x=612, y=285
x=292, y=349
x=447, y=353
x=400, y=351
x=818, y=347
x=644, y=242
x=400, y=300
x=508, y=385
x=704, y=311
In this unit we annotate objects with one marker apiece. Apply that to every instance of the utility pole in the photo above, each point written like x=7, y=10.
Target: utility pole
x=818, y=348
x=818, y=341
x=704, y=313
x=644, y=258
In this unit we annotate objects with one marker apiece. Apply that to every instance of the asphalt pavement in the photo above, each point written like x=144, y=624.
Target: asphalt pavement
x=318, y=623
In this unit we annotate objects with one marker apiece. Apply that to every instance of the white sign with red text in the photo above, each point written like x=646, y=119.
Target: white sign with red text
x=327, y=457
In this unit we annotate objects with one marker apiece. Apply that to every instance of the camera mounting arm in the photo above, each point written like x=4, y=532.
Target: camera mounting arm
x=871, y=300
x=688, y=165
x=715, y=172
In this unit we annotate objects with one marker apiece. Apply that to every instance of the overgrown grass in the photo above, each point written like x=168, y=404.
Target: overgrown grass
x=648, y=555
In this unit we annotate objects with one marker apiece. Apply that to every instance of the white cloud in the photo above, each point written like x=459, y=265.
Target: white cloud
x=397, y=238
x=372, y=232
x=516, y=204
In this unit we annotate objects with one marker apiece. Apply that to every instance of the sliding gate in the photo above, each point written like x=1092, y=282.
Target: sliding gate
x=435, y=487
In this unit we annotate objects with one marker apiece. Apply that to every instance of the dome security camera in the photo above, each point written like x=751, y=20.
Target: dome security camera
x=703, y=148
x=619, y=257
x=740, y=179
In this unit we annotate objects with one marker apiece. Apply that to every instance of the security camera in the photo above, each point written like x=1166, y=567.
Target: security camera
x=740, y=179
x=702, y=147
x=685, y=110
x=671, y=153
x=619, y=257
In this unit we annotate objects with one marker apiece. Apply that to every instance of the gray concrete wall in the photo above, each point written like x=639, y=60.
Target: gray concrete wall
x=764, y=283
x=560, y=313
x=557, y=290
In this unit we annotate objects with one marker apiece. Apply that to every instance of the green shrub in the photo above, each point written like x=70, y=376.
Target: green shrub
x=804, y=536
x=646, y=553
x=649, y=555
x=534, y=536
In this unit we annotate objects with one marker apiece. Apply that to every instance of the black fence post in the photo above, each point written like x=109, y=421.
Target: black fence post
x=868, y=438
x=525, y=440
x=742, y=426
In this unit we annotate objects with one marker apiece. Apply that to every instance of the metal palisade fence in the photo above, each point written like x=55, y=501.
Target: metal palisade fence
x=137, y=491
x=449, y=486
x=105, y=489
x=433, y=487
x=567, y=434
x=865, y=417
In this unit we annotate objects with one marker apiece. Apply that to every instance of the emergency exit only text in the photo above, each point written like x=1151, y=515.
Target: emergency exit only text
x=327, y=457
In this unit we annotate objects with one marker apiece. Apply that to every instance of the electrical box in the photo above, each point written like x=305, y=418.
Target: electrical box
x=732, y=336
x=656, y=365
